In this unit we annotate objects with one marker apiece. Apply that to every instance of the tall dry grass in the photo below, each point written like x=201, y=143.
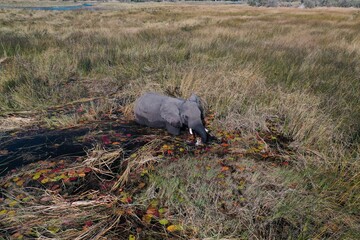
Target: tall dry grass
x=248, y=56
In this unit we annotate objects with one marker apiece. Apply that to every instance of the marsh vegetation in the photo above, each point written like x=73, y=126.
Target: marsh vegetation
x=281, y=90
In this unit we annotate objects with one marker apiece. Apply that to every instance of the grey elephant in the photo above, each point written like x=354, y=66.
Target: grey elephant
x=159, y=111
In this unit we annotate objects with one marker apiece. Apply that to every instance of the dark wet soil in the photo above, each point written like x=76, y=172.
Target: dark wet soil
x=19, y=150
x=26, y=146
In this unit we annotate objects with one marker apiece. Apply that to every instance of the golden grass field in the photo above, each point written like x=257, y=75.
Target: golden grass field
x=298, y=66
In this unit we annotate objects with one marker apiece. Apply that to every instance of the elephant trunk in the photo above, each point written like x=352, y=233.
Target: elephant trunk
x=199, y=128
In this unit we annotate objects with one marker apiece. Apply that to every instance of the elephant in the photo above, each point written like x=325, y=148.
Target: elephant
x=159, y=111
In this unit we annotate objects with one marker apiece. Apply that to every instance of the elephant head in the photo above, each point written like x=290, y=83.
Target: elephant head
x=192, y=115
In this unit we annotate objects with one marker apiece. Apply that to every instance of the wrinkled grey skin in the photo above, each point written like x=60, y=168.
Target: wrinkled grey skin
x=159, y=111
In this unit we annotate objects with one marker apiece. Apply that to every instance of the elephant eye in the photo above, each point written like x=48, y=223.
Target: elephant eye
x=184, y=117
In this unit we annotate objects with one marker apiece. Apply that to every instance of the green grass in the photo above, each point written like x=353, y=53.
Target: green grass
x=248, y=65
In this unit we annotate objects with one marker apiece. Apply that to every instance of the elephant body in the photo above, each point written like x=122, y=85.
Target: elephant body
x=159, y=111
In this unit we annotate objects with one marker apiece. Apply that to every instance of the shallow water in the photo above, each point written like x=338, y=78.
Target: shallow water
x=56, y=8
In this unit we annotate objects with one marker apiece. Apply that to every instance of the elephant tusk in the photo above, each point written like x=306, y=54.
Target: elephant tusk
x=206, y=130
x=190, y=131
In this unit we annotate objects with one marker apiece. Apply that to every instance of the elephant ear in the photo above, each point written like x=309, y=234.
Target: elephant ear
x=171, y=114
x=195, y=98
